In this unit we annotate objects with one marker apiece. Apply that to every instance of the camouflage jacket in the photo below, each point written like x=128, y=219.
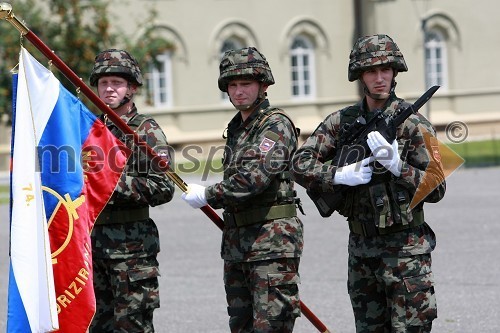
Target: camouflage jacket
x=421, y=167
x=139, y=186
x=257, y=151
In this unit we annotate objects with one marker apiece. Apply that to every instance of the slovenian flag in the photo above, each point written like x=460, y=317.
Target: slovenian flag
x=65, y=166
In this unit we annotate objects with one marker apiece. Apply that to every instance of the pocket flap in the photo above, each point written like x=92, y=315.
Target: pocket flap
x=279, y=279
x=419, y=282
x=143, y=273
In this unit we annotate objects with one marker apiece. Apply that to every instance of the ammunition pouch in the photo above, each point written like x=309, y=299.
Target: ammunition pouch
x=388, y=211
x=367, y=229
x=327, y=202
x=259, y=215
x=111, y=215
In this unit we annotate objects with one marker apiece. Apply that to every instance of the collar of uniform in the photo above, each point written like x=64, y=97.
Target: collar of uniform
x=390, y=105
x=126, y=117
x=130, y=114
x=236, y=122
x=261, y=108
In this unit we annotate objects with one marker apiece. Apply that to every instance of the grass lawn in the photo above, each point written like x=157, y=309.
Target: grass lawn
x=478, y=153
x=199, y=168
x=4, y=194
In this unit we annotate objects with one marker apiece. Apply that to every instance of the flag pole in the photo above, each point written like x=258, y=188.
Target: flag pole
x=161, y=164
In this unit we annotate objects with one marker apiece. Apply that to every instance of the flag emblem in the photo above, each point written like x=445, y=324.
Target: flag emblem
x=266, y=145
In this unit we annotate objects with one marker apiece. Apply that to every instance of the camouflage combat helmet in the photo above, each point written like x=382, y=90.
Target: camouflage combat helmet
x=244, y=63
x=374, y=50
x=116, y=62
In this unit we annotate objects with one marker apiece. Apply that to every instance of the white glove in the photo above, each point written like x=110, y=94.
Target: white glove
x=386, y=154
x=354, y=174
x=195, y=196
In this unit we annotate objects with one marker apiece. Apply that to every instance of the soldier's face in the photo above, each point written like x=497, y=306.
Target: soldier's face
x=243, y=92
x=112, y=89
x=378, y=79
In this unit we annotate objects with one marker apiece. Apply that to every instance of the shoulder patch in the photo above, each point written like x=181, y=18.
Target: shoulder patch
x=268, y=142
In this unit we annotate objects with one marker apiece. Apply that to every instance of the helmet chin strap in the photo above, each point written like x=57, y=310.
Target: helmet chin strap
x=124, y=101
x=382, y=96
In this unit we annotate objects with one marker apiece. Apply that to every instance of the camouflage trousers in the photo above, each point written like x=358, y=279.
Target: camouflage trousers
x=392, y=295
x=262, y=296
x=127, y=293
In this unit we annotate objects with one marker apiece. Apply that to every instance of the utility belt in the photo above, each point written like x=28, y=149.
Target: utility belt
x=370, y=229
x=111, y=215
x=259, y=215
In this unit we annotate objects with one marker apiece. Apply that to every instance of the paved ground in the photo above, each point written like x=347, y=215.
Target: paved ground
x=466, y=263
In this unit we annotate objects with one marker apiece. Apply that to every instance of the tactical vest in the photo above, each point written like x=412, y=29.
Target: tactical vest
x=276, y=201
x=382, y=205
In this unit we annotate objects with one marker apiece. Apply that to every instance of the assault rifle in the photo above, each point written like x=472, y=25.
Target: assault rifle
x=352, y=147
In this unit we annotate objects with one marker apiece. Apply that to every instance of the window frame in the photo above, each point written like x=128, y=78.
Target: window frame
x=436, y=59
x=299, y=68
x=155, y=88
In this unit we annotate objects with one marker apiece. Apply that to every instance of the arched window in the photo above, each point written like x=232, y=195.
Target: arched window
x=230, y=44
x=157, y=49
x=159, y=80
x=436, y=61
x=302, y=67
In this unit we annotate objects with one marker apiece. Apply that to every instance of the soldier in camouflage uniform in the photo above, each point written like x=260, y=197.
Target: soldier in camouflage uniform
x=390, y=280
x=262, y=237
x=125, y=240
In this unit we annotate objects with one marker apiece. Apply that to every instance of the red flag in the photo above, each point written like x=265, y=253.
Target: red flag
x=71, y=224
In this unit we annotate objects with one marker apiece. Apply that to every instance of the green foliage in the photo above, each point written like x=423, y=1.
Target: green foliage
x=76, y=30
x=9, y=53
x=150, y=43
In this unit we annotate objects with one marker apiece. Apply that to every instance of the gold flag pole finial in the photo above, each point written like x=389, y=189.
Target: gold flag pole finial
x=6, y=13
